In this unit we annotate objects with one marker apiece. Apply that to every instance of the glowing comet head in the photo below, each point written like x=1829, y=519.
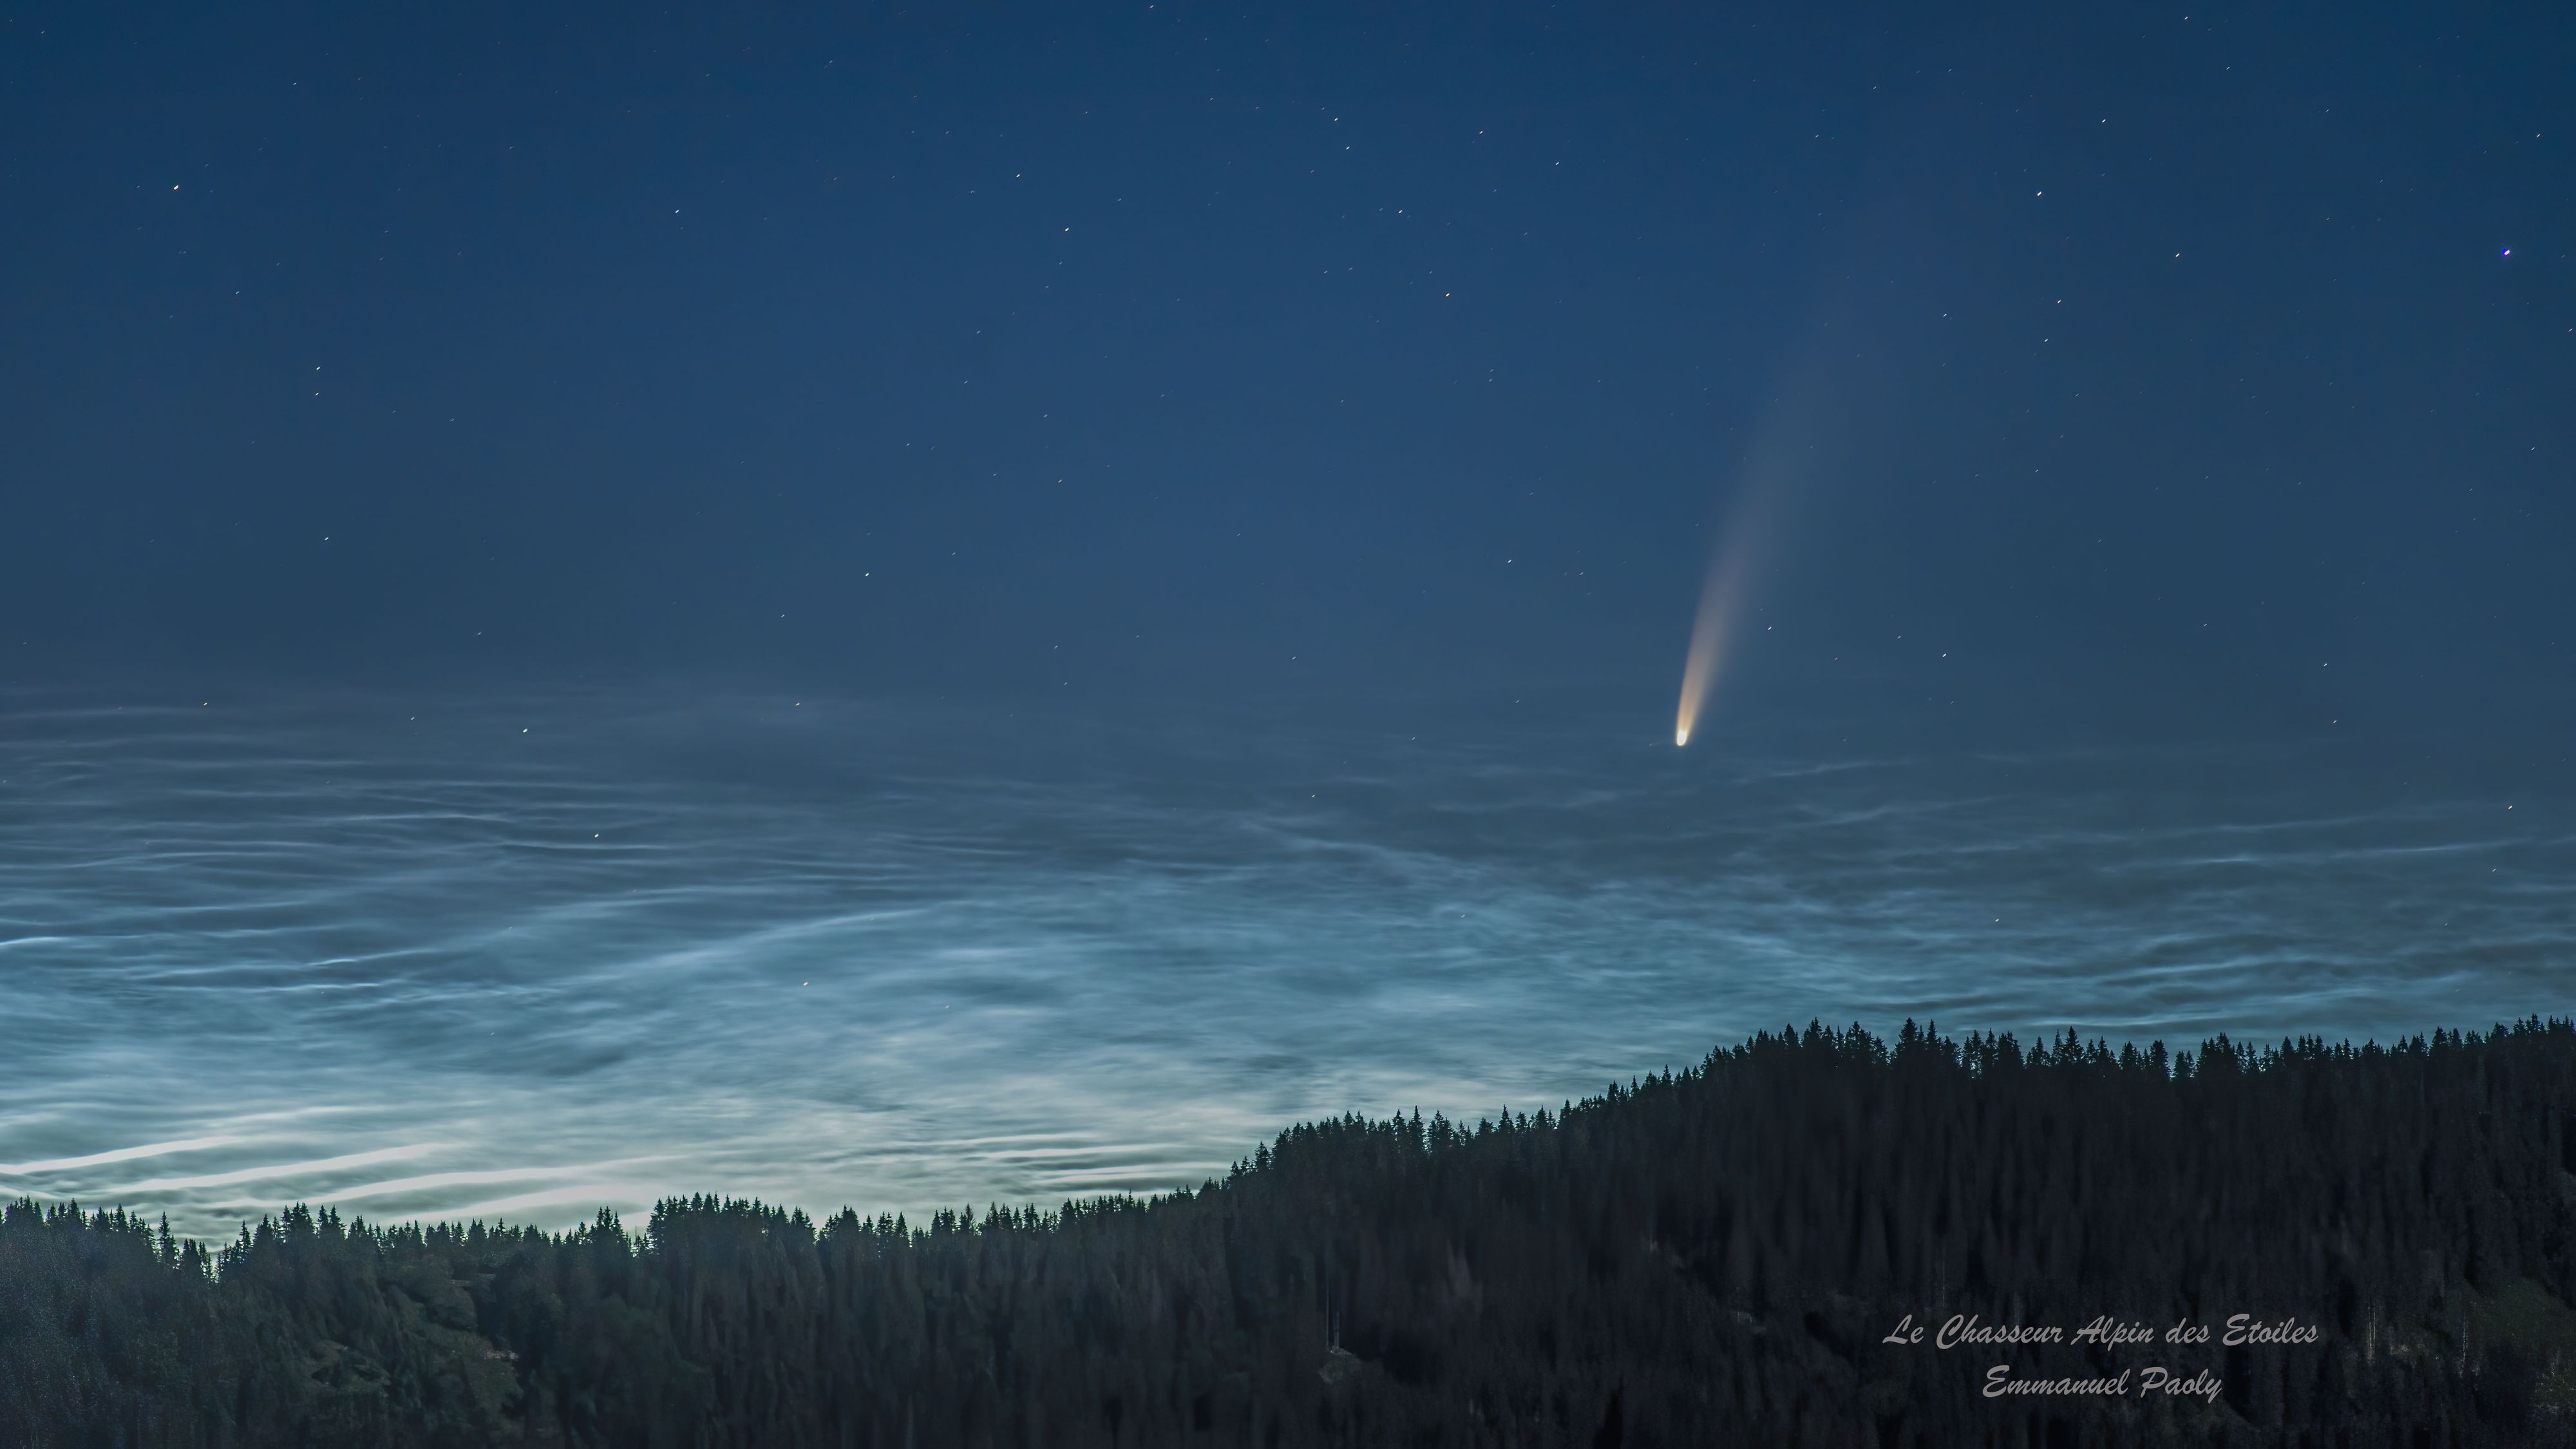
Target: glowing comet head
x=1681, y=736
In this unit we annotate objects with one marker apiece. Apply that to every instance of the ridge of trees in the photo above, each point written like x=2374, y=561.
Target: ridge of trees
x=1713, y=1255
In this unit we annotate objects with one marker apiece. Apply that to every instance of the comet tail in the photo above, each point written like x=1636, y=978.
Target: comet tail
x=1709, y=632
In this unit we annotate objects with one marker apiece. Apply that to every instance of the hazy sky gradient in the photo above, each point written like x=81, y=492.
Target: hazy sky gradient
x=1151, y=351
x=1148, y=556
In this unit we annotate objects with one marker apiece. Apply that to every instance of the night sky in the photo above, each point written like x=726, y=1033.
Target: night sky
x=894, y=606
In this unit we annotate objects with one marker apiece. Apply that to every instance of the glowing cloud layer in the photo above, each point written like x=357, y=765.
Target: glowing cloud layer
x=393, y=953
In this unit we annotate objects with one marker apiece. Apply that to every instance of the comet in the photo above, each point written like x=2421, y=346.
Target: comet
x=1711, y=631
x=1804, y=440
x=1783, y=462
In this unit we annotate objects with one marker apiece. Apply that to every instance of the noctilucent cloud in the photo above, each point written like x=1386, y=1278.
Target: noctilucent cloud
x=927, y=608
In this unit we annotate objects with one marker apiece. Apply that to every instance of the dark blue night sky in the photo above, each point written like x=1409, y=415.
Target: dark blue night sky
x=894, y=606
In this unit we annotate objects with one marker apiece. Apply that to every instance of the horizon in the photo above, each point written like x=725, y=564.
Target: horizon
x=1972, y=1051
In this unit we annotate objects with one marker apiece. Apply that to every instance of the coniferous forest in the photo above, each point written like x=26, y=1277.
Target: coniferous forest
x=1715, y=1256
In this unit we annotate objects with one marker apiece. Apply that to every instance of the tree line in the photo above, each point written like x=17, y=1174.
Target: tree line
x=1717, y=1255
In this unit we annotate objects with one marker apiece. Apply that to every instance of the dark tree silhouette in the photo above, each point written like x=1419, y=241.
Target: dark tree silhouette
x=1713, y=1256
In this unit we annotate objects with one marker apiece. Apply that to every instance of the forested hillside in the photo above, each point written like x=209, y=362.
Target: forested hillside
x=1710, y=1257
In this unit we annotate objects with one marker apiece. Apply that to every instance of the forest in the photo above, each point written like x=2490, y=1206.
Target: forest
x=1736, y=1253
